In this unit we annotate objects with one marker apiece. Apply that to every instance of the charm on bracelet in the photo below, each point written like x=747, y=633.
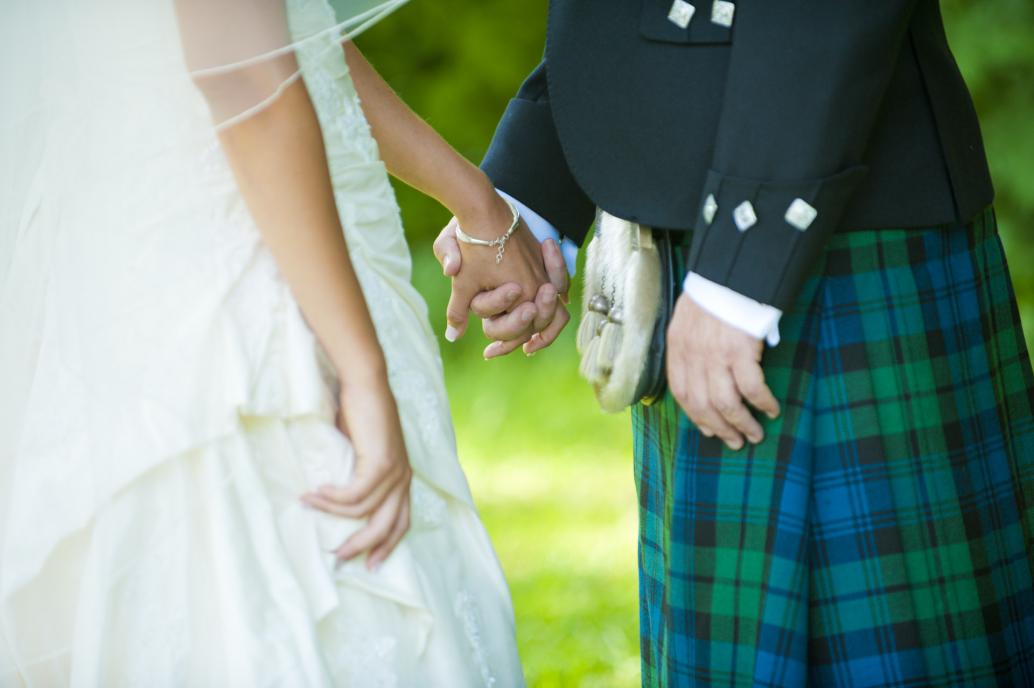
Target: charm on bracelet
x=500, y=241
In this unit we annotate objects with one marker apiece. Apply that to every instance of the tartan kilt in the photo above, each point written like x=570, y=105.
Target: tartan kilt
x=883, y=532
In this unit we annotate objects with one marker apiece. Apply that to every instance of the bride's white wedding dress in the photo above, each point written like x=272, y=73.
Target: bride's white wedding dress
x=163, y=405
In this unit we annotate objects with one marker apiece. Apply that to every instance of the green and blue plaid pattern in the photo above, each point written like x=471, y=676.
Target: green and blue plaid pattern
x=882, y=533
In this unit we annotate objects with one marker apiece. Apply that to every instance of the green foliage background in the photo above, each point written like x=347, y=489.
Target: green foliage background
x=553, y=476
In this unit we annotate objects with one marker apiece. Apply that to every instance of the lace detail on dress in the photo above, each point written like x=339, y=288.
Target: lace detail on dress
x=470, y=616
x=429, y=508
x=362, y=660
x=367, y=662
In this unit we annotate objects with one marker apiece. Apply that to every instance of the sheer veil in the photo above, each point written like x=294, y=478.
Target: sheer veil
x=102, y=103
x=63, y=56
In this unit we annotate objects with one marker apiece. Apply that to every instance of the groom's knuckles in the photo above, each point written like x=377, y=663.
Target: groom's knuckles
x=556, y=268
x=710, y=418
x=546, y=307
x=549, y=335
x=489, y=304
x=438, y=247
x=445, y=247
x=727, y=401
x=513, y=325
x=728, y=416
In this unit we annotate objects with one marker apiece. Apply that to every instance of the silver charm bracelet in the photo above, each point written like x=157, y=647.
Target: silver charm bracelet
x=500, y=241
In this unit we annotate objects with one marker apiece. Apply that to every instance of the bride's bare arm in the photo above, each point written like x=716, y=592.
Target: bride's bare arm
x=278, y=158
x=415, y=153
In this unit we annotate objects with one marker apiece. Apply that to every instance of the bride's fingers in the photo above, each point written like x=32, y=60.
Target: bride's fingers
x=489, y=304
x=334, y=507
x=456, y=311
x=363, y=484
x=384, y=550
x=541, y=340
x=497, y=349
x=359, y=497
x=375, y=531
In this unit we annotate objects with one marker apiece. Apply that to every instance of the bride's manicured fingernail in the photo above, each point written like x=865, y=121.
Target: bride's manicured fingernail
x=491, y=349
x=527, y=315
x=512, y=295
x=550, y=297
x=446, y=264
x=452, y=333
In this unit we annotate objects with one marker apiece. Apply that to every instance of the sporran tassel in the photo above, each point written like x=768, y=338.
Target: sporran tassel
x=610, y=344
x=588, y=330
x=589, y=368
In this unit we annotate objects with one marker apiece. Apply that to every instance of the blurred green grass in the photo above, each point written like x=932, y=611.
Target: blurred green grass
x=551, y=474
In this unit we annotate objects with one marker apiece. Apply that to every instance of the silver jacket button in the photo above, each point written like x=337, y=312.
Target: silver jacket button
x=801, y=214
x=722, y=13
x=710, y=208
x=744, y=216
x=681, y=13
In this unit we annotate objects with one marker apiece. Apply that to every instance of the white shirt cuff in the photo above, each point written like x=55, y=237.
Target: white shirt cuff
x=542, y=230
x=757, y=319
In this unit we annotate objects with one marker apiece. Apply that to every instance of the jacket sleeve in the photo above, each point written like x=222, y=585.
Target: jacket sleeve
x=805, y=83
x=525, y=159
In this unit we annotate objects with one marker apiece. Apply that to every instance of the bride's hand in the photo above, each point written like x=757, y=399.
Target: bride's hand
x=379, y=488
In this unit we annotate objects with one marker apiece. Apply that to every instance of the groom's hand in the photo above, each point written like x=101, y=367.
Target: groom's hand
x=551, y=308
x=713, y=368
x=521, y=300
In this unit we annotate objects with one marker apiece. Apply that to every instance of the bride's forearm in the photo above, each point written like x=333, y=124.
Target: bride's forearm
x=278, y=158
x=416, y=154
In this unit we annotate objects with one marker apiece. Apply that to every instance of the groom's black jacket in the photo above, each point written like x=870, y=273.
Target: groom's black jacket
x=855, y=106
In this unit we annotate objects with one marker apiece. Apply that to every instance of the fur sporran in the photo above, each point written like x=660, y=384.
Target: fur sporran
x=621, y=335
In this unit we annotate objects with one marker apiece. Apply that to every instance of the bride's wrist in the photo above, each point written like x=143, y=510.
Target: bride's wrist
x=481, y=212
x=488, y=221
x=359, y=368
x=359, y=382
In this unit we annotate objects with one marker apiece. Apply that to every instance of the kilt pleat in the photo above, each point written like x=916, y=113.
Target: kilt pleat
x=883, y=532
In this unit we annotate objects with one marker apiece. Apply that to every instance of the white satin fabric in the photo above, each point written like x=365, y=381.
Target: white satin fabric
x=163, y=403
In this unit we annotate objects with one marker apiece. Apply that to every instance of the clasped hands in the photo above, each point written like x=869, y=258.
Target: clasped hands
x=714, y=369
x=522, y=299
